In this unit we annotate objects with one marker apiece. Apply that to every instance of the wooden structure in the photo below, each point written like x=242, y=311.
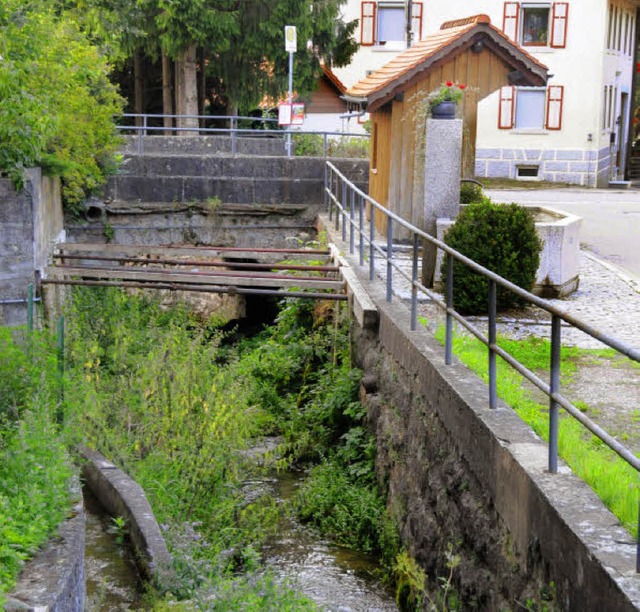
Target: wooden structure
x=234, y=270
x=466, y=51
x=327, y=97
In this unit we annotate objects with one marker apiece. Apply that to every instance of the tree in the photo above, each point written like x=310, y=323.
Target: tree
x=256, y=64
x=56, y=101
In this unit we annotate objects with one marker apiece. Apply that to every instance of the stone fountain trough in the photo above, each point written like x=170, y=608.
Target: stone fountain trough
x=558, y=273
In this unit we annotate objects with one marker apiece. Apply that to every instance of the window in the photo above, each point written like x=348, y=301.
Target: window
x=386, y=22
x=536, y=24
x=531, y=108
x=391, y=23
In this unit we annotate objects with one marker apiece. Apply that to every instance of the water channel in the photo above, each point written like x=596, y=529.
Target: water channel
x=336, y=578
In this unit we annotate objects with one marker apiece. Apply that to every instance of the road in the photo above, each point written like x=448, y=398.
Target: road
x=611, y=219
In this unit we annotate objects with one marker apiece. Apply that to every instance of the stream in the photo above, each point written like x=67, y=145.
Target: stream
x=336, y=578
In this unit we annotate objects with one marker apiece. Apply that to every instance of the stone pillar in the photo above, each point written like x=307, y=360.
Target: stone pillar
x=442, y=165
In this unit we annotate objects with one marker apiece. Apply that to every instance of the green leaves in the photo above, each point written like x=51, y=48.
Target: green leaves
x=56, y=101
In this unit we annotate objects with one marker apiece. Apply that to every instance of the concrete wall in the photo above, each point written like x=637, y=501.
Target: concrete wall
x=30, y=221
x=473, y=482
x=53, y=581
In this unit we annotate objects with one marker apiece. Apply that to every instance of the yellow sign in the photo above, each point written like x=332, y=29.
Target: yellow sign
x=290, y=42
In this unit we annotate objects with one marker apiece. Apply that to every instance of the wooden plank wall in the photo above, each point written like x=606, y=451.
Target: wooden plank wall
x=398, y=181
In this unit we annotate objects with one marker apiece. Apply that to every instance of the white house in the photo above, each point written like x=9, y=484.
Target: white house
x=576, y=130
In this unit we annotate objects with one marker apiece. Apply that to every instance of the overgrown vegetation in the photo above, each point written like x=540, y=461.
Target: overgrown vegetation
x=57, y=101
x=615, y=481
x=500, y=237
x=312, y=145
x=164, y=397
x=35, y=468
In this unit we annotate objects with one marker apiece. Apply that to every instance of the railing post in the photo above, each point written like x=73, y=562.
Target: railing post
x=493, y=379
x=337, y=203
x=389, y=257
x=144, y=125
x=59, y=414
x=554, y=387
x=361, y=229
x=414, y=279
x=352, y=229
x=372, y=237
x=638, y=545
x=325, y=182
x=140, y=148
x=234, y=145
x=448, y=341
x=30, y=308
x=343, y=210
x=325, y=148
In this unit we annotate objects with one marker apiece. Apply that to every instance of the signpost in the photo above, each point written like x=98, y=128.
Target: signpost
x=290, y=45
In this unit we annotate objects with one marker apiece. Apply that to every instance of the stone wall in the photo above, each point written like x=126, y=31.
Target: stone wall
x=30, y=221
x=470, y=482
x=577, y=167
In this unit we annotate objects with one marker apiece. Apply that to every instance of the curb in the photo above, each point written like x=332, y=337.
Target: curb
x=121, y=496
x=623, y=275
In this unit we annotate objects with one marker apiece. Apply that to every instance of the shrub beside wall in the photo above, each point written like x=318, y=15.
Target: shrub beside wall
x=500, y=237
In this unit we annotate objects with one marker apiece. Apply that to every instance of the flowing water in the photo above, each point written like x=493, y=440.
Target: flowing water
x=336, y=578
x=112, y=580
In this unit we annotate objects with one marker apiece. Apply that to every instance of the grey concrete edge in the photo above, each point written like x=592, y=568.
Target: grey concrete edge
x=53, y=581
x=506, y=455
x=122, y=497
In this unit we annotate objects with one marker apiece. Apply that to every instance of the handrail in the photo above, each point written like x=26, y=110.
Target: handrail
x=341, y=195
x=270, y=128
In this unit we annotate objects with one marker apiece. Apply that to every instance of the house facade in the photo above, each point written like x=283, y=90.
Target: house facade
x=577, y=129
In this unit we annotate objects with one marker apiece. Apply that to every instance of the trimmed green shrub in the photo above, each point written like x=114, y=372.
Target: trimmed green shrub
x=500, y=237
x=470, y=192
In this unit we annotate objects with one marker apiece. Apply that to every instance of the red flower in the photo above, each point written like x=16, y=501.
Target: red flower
x=462, y=86
x=449, y=84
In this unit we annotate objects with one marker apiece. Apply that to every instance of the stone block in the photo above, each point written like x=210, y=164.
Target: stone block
x=488, y=153
x=572, y=178
x=480, y=168
x=548, y=155
x=499, y=169
x=533, y=154
x=148, y=189
x=509, y=154
x=569, y=155
x=556, y=166
x=581, y=166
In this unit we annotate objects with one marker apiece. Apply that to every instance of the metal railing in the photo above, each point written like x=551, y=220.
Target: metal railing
x=225, y=125
x=347, y=206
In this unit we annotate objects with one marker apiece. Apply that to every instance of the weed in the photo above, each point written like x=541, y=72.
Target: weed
x=109, y=232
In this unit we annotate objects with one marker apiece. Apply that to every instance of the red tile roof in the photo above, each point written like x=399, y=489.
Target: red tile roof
x=447, y=41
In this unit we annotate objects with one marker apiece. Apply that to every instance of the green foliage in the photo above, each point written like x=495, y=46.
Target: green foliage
x=312, y=145
x=58, y=104
x=500, y=237
x=612, y=478
x=34, y=465
x=470, y=192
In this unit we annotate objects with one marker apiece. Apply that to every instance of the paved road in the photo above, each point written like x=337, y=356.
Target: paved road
x=611, y=219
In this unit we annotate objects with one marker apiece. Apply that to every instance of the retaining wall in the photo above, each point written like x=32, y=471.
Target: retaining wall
x=471, y=482
x=30, y=221
x=53, y=581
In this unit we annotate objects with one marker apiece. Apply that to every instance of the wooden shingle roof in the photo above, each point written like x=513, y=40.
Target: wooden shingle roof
x=437, y=48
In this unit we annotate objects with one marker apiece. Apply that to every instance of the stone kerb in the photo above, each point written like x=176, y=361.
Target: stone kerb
x=121, y=496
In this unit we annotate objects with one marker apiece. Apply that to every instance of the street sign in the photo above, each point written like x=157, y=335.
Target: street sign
x=290, y=39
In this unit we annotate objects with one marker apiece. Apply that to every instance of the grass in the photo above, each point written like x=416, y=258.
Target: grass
x=35, y=467
x=612, y=478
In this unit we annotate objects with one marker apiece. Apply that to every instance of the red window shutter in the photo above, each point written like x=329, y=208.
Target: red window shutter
x=506, y=108
x=555, y=98
x=559, y=20
x=416, y=21
x=511, y=20
x=368, y=24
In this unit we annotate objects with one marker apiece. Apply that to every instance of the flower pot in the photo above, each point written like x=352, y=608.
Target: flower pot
x=444, y=110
